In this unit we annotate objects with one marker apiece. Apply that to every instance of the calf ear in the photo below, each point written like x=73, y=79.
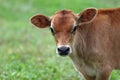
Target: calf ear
x=87, y=15
x=40, y=21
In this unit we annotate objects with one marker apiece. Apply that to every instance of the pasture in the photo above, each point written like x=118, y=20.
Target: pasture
x=28, y=53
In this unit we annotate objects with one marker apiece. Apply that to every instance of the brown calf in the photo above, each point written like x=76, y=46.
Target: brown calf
x=91, y=39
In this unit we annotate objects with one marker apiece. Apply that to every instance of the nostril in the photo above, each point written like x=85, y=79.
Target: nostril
x=67, y=49
x=59, y=49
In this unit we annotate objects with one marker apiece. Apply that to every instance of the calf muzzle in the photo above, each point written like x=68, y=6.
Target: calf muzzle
x=63, y=51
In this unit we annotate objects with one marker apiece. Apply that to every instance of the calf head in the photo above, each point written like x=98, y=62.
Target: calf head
x=63, y=25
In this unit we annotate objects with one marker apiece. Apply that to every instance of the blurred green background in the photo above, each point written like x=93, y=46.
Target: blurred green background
x=28, y=53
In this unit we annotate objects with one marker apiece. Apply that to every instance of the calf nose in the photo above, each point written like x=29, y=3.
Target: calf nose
x=63, y=51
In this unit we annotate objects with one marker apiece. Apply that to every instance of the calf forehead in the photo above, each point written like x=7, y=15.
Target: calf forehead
x=63, y=19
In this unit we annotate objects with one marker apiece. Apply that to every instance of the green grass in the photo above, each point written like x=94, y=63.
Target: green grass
x=28, y=53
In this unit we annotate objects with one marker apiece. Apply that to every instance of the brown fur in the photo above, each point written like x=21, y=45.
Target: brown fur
x=101, y=44
x=95, y=44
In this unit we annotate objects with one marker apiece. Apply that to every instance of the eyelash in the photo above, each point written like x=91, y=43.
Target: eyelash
x=52, y=31
x=74, y=29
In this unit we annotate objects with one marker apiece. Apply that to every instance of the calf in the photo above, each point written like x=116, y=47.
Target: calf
x=91, y=39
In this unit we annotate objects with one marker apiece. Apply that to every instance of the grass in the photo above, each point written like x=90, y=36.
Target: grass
x=28, y=53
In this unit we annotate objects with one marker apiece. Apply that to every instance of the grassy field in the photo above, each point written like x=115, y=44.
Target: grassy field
x=28, y=53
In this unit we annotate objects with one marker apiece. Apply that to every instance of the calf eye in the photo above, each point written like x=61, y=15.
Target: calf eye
x=74, y=29
x=52, y=31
